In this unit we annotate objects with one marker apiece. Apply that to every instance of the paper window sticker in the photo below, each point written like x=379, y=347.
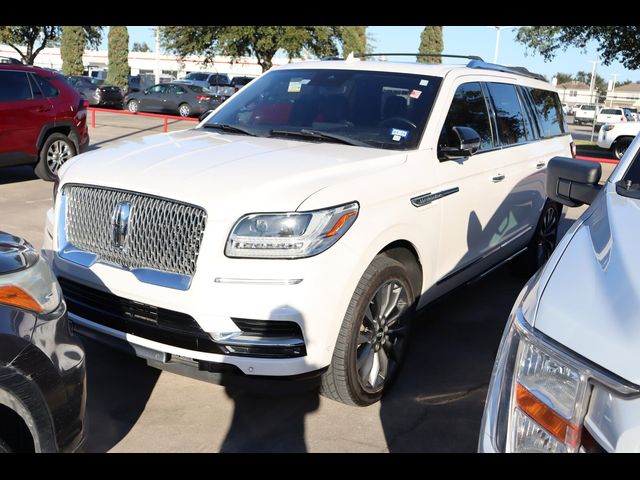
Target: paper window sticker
x=396, y=138
x=424, y=82
x=396, y=132
x=415, y=93
x=294, y=87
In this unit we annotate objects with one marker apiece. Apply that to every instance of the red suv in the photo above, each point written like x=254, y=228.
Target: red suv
x=43, y=119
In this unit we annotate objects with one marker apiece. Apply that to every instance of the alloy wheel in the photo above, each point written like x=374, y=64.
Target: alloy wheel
x=382, y=336
x=184, y=110
x=547, y=234
x=58, y=153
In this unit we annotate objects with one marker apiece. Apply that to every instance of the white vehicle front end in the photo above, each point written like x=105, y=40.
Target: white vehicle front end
x=566, y=377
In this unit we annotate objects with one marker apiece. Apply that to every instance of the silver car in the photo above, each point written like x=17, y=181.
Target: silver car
x=567, y=376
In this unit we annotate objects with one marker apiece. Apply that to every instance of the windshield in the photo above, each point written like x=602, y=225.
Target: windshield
x=375, y=109
x=197, y=76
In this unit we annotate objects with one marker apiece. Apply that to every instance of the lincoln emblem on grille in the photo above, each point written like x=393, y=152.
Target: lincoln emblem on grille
x=120, y=223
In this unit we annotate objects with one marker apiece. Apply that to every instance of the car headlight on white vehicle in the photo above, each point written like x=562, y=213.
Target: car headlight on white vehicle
x=290, y=235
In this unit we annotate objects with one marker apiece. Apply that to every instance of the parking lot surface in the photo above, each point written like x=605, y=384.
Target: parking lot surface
x=435, y=406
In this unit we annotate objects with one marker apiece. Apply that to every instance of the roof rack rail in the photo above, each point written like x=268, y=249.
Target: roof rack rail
x=469, y=57
x=501, y=68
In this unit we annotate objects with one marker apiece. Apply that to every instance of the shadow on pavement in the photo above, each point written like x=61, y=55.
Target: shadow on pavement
x=437, y=401
x=23, y=173
x=118, y=388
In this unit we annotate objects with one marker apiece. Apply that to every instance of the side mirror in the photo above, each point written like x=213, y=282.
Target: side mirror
x=573, y=182
x=466, y=142
x=146, y=92
x=204, y=115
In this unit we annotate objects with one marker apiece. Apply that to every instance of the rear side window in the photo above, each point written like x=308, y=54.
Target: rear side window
x=14, y=86
x=511, y=128
x=549, y=110
x=468, y=109
x=610, y=111
x=48, y=89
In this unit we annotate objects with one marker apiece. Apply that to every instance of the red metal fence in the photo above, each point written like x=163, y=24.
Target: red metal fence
x=166, y=118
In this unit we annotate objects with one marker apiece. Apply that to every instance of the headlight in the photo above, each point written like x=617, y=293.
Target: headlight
x=290, y=235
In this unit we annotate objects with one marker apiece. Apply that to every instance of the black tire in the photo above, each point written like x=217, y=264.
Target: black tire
x=621, y=145
x=56, y=150
x=133, y=106
x=185, y=110
x=4, y=448
x=543, y=242
x=342, y=381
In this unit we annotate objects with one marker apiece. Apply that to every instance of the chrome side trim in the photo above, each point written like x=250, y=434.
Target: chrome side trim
x=260, y=281
x=427, y=198
x=240, y=339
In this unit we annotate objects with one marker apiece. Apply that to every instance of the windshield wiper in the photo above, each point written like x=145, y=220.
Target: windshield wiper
x=316, y=134
x=230, y=128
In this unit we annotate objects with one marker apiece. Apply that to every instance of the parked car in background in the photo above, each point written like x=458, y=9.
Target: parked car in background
x=584, y=114
x=11, y=60
x=610, y=115
x=240, y=81
x=218, y=83
x=42, y=119
x=42, y=363
x=567, y=109
x=296, y=230
x=96, y=92
x=175, y=98
x=567, y=376
x=631, y=113
x=618, y=136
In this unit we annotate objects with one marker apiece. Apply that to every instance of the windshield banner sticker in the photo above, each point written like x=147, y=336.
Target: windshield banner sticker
x=397, y=134
x=295, y=87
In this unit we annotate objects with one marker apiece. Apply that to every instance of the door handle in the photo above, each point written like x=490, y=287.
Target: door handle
x=498, y=178
x=540, y=164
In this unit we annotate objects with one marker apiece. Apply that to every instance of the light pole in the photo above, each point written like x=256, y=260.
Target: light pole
x=613, y=87
x=157, y=72
x=591, y=88
x=495, y=54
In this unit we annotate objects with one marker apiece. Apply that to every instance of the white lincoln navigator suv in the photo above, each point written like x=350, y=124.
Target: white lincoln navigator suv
x=297, y=228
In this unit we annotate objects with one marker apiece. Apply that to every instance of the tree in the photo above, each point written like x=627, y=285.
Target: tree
x=36, y=38
x=614, y=42
x=118, y=74
x=260, y=41
x=563, y=78
x=71, y=50
x=353, y=39
x=431, y=42
x=140, y=47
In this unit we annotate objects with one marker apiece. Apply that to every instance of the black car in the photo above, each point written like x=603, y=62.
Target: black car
x=96, y=92
x=238, y=82
x=42, y=363
x=181, y=99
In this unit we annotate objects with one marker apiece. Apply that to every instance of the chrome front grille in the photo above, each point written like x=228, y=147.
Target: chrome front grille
x=163, y=234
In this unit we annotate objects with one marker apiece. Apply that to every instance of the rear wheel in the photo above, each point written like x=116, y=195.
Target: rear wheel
x=620, y=147
x=184, y=110
x=374, y=335
x=56, y=150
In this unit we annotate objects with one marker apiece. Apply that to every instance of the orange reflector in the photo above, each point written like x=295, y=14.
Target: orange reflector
x=552, y=422
x=340, y=223
x=16, y=297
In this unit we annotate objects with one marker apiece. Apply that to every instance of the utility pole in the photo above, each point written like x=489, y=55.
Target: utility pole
x=613, y=87
x=157, y=72
x=591, y=88
x=495, y=54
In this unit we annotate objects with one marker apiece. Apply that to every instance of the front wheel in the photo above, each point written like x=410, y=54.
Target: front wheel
x=133, y=106
x=184, y=110
x=56, y=150
x=373, y=337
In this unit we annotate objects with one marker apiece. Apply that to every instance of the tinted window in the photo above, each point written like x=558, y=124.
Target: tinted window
x=197, y=76
x=48, y=89
x=35, y=88
x=468, y=109
x=14, y=86
x=587, y=107
x=158, y=89
x=378, y=109
x=549, y=110
x=530, y=118
x=175, y=89
x=198, y=89
x=511, y=129
x=610, y=111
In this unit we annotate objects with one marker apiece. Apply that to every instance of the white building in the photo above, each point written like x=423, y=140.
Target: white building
x=145, y=62
x=573, y=93
x=625, y=96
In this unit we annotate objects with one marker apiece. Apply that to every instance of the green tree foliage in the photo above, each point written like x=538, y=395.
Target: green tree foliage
x=140, y=47
x=72, y=44
x=614, y=42
x=118, y=74
x=563, y=78
x=262, y=42
x=353, y=39
x=431, y=42
x=34, y=39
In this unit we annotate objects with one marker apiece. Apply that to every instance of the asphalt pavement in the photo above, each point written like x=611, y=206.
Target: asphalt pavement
x=435, y=405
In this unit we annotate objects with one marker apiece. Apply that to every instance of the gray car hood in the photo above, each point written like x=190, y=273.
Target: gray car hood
x=591, y=303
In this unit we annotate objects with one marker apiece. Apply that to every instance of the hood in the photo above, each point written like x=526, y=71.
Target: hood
x=226, y=173
x=591, y=303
